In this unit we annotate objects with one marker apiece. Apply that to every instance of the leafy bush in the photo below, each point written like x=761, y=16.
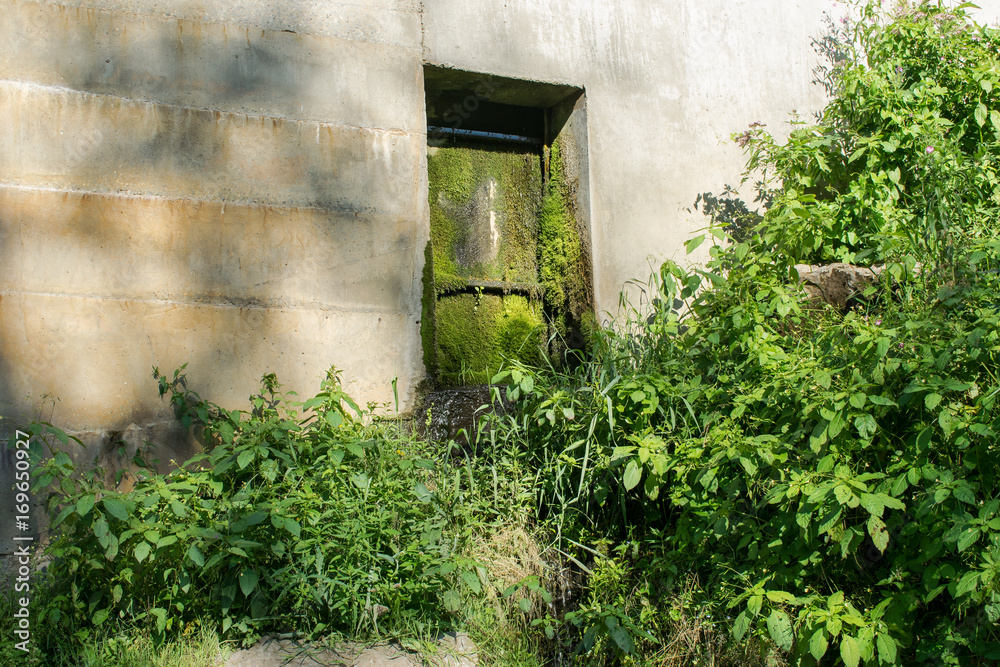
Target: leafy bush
x=299, y=518
x=830, y=477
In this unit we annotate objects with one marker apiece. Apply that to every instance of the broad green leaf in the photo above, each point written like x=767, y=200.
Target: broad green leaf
x=85, y=504
x=62, y=515
x=818, y=644
x=850, y=652
x=692, y=244
x=980, y=114
x=931, y=401
x=741, y=626
x=886, y=648
x=161, y=618
x=141, y=551
x=632, y=475
x=292, y=526
x=244, y=458
x=882, y=400
x=194, y=553
x=471, y=580
x=842, y=493
x=101, y=528
x=115, y=508
x=622, y=638
x=964, y=494
x=248, y=581
x=836, y=424
x=178, y=508
x=866, y=426
x=226, y=432
x=873, y=504
x=900, y=485
x=453, y=601
x=780, y=597
x=969, y=537
x=166, y=541
x=780, y=629
x=880, y=536
x=100, y=616
x=422, y=493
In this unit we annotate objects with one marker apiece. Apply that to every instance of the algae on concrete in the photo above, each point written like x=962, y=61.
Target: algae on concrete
x=484, y=204
x=562, y=263
x=498, y=218
x=477, y=332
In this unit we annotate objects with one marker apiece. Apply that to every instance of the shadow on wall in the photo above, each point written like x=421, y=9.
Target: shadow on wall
x=140, y=225
x=729, y=212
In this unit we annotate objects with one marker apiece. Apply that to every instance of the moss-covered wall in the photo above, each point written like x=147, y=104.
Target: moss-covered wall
x=562, y=263
x=502, y=217
x=476, y=332
x=484, y=206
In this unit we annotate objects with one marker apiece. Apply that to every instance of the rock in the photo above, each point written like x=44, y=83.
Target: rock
x=383, y=656
x=454, y=650
x=836, y=284
x=457, y=650
x=284, y=653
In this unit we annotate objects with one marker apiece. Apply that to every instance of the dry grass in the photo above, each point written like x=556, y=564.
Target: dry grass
x=692, y=639
x=511, y=555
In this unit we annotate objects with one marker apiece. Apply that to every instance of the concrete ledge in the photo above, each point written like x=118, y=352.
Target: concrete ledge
x=150, y=249
x=189, y=63
x=95, y=143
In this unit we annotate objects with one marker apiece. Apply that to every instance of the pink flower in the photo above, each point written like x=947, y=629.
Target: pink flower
x=929, y=150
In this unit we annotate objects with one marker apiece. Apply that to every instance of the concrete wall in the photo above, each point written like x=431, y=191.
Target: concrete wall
x=666, y=84
x=233, y=185
x=241, y=184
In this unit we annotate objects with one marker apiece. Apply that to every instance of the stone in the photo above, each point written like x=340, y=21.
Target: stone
x=457, y=650
x=836, y=284
x=454, y=650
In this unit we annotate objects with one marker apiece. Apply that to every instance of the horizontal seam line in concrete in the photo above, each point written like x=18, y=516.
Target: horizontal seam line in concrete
x=143, y=425
x=246, y=203
x=188, y=107
x=257, y=305
x=237, y=24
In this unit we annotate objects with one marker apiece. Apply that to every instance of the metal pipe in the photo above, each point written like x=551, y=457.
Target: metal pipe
x=479, y=134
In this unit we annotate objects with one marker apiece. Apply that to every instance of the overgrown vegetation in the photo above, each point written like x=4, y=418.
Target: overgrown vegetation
x=745, y=479
x=301, y=517
x=830, y=479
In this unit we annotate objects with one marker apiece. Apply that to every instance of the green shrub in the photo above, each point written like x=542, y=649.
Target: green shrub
x=829, y=477
x=299, y=518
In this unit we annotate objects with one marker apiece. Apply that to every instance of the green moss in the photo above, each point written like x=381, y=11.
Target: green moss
x=478, y=332
x=561, y=261
x=461, y=180
x=428, y=301
x=468, y=336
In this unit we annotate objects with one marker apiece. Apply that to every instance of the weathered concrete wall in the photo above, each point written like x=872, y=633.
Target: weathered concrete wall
x=209, y=185
x=666, y=84
x=239, y=186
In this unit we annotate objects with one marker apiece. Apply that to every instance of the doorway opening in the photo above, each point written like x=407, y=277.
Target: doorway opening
x=508, y=266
